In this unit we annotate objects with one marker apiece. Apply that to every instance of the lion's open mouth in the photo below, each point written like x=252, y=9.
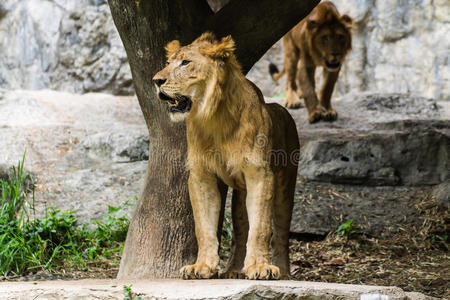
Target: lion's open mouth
x=332, y=65
x=180, y=104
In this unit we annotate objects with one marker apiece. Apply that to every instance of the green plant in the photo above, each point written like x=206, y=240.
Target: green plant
x=55, y=241
x=440, y=239
x=129, y=295
x=280, y=95
x=347, y=228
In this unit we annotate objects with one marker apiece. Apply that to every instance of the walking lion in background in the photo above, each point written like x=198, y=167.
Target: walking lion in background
x=322, y=39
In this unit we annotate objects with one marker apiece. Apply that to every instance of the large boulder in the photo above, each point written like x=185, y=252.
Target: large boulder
x=378, y=139
x=441, y=194
x=66, y=45
x=85, y=152
x=72, y=45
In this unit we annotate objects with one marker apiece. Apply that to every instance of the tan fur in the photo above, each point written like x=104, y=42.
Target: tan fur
x=251, y=146
x=323, y=36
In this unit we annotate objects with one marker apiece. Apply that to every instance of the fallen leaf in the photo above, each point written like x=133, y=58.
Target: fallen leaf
x=337, y=261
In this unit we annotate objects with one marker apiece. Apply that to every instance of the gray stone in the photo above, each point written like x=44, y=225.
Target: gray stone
x=398, y=46
x=119, y=145
x=200, y=289
x=85, y=151
x=441, y=194
x=76, y=49
x=379, y=139
x=400, y=152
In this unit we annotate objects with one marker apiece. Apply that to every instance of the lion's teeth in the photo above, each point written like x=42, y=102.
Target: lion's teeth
x=170, y=103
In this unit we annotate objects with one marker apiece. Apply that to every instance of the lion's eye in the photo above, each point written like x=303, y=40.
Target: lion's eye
x=324, y=38
x=185, y=62
x=167, y=63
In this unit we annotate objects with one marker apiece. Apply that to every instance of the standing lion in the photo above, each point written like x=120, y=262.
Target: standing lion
x=250, y=145
x=322, y=39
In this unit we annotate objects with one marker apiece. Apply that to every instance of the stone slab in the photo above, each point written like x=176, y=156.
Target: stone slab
x=204, y=289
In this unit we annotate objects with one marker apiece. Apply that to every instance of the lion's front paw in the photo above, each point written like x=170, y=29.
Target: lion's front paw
x=316, y=115
x=292, y=100
x=293, y=103
x=198, y=271
x=262, y=271
x=232, y=275
x=330, y=115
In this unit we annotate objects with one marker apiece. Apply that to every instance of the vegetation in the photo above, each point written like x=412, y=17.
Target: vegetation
x=55, y=242
x=227, y=232
x=128, y=293
x=347, y=229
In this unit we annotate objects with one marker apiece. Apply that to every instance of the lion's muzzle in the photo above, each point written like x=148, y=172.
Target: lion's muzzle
x=180, y=104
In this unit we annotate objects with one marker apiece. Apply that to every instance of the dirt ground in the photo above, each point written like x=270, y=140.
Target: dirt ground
x=402, y=261
x=415, y=258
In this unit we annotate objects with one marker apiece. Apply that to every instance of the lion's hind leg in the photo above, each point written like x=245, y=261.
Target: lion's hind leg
x=240, y=232
x=283, y=204
x=260, y=186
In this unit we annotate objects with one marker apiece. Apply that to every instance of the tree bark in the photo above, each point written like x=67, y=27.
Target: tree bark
x=161, y=237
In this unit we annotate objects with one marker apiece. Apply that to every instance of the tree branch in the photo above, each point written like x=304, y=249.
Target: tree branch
x=256, y=25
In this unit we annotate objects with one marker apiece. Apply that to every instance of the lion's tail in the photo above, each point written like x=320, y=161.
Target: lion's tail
x=274, y=72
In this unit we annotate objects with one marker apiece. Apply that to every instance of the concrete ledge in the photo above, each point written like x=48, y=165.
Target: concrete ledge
x=200, y=289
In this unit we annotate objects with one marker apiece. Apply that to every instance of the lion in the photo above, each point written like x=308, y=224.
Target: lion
x=322, y=39
x=232, y=135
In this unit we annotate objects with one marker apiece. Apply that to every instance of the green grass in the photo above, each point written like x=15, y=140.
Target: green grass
x=56, y=241
x=280, y=95
x=347, y=229
x=129, y=294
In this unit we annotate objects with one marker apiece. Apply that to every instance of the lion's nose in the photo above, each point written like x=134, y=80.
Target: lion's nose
x=159, y=81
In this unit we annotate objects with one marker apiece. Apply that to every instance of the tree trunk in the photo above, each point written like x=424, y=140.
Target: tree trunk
x=161, y=237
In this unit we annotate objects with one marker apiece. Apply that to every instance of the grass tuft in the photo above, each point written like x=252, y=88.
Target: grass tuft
x=55, y=242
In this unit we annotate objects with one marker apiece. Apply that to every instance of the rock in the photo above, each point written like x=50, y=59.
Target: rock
x=85, y=152
x=400, y=152
x=119, y=145
x=441, y=194
x=201, y=289
x=77, y=49
x=374, y=164
x=398, y=46
x=379, y=139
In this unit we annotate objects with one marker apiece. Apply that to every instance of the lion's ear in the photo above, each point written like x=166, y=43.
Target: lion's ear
x=221, y=50
x=347, y=20
x=207, y=37
x=172, y=47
